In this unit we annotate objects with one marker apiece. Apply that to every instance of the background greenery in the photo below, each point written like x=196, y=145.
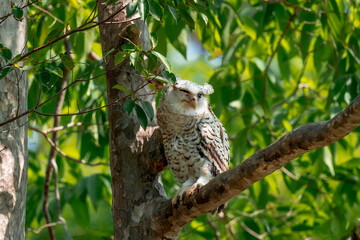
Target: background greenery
x=274, y=65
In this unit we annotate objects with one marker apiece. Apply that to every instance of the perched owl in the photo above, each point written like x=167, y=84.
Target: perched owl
x=196, y=144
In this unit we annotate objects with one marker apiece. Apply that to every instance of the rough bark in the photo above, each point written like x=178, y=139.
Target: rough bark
x=13, y=136
x=133, y=151
x=140, y=208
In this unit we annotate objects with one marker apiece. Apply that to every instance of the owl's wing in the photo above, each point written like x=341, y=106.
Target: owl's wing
x=214, y=142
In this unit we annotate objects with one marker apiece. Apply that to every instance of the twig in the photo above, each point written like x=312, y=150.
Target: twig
x=53, y=224
x=214, y=228
x=78, y=29
x=81, y=161
x=48, y=13
x=252, y=232
x=70, y=125
x=273, y=54
x=51, y=164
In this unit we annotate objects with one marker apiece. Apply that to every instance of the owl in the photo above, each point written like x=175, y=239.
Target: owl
x=195, y=142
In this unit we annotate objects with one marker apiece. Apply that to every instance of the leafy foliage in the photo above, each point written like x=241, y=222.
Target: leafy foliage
x=280, y=65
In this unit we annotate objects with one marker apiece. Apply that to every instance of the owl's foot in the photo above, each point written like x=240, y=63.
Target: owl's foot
x=184, y=193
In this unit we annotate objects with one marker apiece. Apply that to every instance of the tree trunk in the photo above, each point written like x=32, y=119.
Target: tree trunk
x=13, y=136
x=135, y=155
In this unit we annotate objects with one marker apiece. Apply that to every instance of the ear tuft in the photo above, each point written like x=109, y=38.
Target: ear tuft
x=208, y=89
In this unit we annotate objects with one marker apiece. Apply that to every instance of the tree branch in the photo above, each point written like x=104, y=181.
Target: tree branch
x=219, y=190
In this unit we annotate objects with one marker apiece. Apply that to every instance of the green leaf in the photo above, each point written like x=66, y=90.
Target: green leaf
x=94, y=188
x=156, y=10
x=139, y=63
x=55, y=70
x=141, y=116
x=134, y=57
x=149, y=110
x=187, y=19
x=110, y=2
x=5, y=53
x=158, y=97
x=161, y=79
x=119, y=58
x=154, y=39
x=129, y=47
x=67, y=61
x=45, y=78
x=81, y=211
x=17, y=13
x=5, y=70
x=16, y=58
x=143, y=9
x=163, y=59
x=152, y=61
x=46, y=2
x=176, y=33
x=328, y=160
x=124, y=89
x=129, y=106
x=169, y=76
x=54, y=34
x=174, y=13
x=131, y=9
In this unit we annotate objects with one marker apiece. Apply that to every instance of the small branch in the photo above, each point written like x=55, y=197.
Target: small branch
x=48, y=13
x=78, y=29
x=273, y=54
x=252, y=232
x=214, y=228
x=81, y=161
x=286, y=4
x=70, y=125
x=53, y=224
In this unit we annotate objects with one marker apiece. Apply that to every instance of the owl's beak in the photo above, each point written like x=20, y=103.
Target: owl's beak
x=193, y=104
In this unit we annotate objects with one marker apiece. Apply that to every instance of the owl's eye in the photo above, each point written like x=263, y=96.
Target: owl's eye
x=185, y=91
x=200, y=95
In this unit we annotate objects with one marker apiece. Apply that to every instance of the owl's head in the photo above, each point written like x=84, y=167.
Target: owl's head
x=186, y=97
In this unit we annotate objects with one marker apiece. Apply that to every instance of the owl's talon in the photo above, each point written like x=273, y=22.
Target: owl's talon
x=183, y=196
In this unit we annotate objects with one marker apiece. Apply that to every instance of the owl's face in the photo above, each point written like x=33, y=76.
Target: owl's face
x=187, y=98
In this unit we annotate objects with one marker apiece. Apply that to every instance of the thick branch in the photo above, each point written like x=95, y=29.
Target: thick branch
x=228, y=184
